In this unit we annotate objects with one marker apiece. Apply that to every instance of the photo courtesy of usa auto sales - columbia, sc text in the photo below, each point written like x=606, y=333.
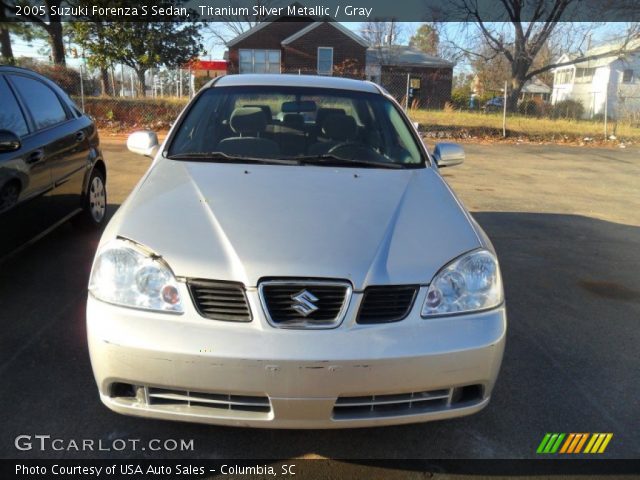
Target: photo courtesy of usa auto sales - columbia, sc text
x=136, y=469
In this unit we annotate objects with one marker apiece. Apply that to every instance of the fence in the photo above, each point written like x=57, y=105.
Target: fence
x=117, y=100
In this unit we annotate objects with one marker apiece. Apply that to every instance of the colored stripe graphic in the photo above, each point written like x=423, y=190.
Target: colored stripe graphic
x=543, y=443
x=573, y=443
x=567, y=443
x=603, y=447
x=551, y=443
x=598, y=443
x=581, y=442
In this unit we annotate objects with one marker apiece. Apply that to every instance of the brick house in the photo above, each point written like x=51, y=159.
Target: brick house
x=298, y=44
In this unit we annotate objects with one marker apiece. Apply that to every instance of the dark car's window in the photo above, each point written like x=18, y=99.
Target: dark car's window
x=296, y=123
x=43, y=103
x=11, y=117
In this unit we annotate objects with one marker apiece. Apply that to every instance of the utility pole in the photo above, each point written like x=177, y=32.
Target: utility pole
x=504, y=111
x=122, y=80
x=606, y=109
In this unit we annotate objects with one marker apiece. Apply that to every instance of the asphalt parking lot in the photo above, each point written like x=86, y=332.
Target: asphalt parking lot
x=566, y=224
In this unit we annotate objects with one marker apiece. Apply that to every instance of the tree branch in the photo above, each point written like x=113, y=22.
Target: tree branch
x=587, y=58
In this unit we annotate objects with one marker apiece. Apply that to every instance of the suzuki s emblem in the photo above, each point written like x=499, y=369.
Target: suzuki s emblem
x=303, y=303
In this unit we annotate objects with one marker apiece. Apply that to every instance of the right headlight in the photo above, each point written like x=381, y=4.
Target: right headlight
x=125, y=274
x=470, y=283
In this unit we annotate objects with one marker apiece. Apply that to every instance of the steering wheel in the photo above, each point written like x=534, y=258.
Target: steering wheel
x=354, y=150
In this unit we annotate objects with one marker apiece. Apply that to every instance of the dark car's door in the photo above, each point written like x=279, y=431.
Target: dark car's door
x=64, y=137
x=25, y=177
x=24, y=168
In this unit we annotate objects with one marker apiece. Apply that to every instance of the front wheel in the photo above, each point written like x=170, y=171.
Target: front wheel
x=95, y=202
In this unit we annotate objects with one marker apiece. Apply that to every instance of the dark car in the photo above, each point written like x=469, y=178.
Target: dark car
x=496, y=104
x=51, y=166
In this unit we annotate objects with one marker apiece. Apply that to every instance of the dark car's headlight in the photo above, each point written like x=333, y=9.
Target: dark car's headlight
x=470, y=283
x=124, y=274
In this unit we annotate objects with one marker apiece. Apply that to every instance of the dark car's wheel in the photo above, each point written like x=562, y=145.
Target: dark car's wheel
x=9, y=195
x=95, y=202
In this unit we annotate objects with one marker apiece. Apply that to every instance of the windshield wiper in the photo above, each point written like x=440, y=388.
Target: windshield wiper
x=214, y=156
x=333, y=160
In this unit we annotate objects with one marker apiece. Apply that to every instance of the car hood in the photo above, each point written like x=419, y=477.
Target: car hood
x=247, y=222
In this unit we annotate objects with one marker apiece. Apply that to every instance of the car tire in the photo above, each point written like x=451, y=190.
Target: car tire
x=9, y=195
x=94, y=203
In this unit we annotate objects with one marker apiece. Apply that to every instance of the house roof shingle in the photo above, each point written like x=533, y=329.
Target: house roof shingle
x=402, y=55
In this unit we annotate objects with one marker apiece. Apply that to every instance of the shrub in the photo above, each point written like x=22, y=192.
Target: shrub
x=7, y=61
x=460, y=97
x=67, y=78
x=533, y=107
x=599, y=117
x=572, y=109
x=200, y=82
x=133, y=112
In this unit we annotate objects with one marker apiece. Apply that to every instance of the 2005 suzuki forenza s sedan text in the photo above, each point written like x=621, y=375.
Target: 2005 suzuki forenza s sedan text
x=294, y=259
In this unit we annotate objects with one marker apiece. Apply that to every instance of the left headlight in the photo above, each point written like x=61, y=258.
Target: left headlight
x=124, y=274
x=470, y=283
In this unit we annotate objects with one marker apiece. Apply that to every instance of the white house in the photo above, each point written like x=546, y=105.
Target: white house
x=610, y=82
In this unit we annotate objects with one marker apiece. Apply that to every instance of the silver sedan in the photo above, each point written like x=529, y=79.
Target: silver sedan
x=293, y=259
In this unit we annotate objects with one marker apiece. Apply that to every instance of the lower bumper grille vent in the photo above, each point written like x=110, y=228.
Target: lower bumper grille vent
x=161, y=396
x=390, y=405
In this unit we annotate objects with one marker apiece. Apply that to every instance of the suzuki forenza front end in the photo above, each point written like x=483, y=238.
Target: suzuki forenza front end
x=294, y=259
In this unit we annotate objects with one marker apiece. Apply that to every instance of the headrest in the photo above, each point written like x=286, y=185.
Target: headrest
x=340, y=127
x=324, y=112
x=245, y=120
x=265, y=108
x=293, y=120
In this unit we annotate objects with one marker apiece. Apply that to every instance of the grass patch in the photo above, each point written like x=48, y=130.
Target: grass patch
x=461, y=124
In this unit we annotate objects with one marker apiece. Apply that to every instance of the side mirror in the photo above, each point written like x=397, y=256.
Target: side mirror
x=143, y=142
x=9, y=141
x=448, y=154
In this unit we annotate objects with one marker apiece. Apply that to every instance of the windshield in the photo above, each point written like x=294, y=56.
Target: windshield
x=305, y=125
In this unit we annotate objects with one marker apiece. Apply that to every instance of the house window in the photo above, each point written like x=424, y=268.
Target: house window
x=564, y=76
x=627, y=76
x=259, y=61
x=584, y=75
x=325, y=60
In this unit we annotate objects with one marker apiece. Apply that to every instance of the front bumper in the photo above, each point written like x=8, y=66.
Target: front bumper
x=185, y=367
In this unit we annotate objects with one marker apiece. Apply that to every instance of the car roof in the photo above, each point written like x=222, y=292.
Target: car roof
x=26, y=71
x=292, y=80
x=13, y=68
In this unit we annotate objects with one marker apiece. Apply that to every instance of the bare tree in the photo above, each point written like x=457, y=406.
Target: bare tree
x=230, y=26
x=530, y=28
x=381, y=33
x=383, y=37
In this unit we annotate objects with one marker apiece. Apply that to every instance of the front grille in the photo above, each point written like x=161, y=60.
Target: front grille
x=220, y=300
x=390, y=405
x=386, y=304
x=318, y=304
x=221, y=401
